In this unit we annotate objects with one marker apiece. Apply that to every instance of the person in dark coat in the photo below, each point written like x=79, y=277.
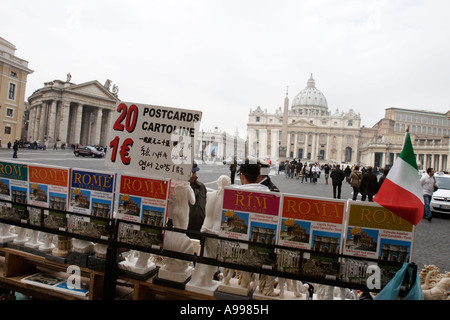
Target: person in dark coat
x=337, y=176
x=197, y=210
x=15, y=148
x=369, y=185
x=233, y=169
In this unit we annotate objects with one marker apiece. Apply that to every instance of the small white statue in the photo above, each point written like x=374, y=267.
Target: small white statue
x=100, y=250
x=435, y=286
x=82, y=246
x=21, y=235
x=266, y=286
x=238, y=282
x=178, y=211
x=47, y=244
x=5, y=234
x=299, y=289
x=203, y=274
x=33, y=241
x=325, y=292
x=138, y=262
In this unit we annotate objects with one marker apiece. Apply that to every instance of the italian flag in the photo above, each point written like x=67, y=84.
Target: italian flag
x=401, y=192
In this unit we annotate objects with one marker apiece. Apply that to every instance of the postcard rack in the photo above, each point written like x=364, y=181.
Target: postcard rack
x=104, y=280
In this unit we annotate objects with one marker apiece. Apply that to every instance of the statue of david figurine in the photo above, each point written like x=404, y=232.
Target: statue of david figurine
x=177, y=270
x=202, y=280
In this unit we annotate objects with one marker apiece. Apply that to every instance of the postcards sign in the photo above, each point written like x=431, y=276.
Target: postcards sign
x=154, y=140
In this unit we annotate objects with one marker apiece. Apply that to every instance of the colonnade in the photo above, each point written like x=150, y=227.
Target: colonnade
x=69, y=122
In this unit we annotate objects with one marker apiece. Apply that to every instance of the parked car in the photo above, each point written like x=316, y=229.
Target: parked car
x=440, y=201
x=88, y=151
x=229, y=160
x=33, y=146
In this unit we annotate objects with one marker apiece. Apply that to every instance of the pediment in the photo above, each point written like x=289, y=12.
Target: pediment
x=301, y=123
x=92, y=89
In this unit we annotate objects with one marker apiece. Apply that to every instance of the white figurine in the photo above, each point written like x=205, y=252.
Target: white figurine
x=47, y=244
x=178, y=211
x=21, y=235
x=82, y=246
x=138, y=262
x=434, y=285
x=202, y=276
x=33, y=242
x=237, y=282
x=5, y=235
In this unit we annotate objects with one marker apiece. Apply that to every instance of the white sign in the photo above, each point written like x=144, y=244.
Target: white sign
x=153, y=140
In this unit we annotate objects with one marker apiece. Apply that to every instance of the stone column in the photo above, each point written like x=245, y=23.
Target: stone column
x=107, y=115
x=296, y=145
x=31, y=123
x=52, y=122
x=79, y=114
x=305, y=148
x=41, y=122
x=314, y=154
x=98, y=125
x=64, y=122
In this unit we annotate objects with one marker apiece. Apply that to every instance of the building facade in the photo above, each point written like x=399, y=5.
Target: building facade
x=13, y=79
x=307, y=130
x=69, y=113
x=429, y=132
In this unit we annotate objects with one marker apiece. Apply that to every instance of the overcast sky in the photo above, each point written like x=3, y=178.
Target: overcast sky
x=227, y=57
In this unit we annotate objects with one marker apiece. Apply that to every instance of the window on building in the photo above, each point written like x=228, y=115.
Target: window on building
x=258, y=118
x=7, y=130
x=350, y=123
x=12, y=91
x=9, y=112
x=13, y=74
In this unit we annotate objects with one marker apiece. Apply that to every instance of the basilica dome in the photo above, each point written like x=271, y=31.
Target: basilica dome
x=310, y=97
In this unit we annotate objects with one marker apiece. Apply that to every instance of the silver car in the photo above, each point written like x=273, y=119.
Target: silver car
x=440, y=201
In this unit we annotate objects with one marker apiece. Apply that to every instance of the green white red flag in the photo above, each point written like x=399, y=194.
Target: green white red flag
x=401, y=192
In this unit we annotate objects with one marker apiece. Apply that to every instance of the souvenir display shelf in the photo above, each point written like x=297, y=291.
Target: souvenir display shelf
x=107, y=283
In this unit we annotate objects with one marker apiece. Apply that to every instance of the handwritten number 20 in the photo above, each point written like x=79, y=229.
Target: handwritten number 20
x=129, y=115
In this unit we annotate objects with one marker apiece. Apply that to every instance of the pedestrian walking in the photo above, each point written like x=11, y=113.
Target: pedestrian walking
x=233, y=168
x=337, y=176
x=315, y=172
x=287, y=168
x=298, y=170
x=292, y=168
x=355, y=181
x=15, y=148
x=326, y=169
x=369, y=185
x=428, y=184
x=347, y=172
x=305, y=172
x=383, y=176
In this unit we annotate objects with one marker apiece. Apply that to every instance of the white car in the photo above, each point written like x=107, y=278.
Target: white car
x=229, y=160
x=440, y=201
